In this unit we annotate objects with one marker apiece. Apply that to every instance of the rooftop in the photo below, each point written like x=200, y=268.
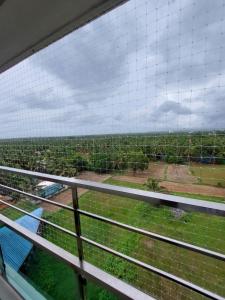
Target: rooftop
x=32, y=25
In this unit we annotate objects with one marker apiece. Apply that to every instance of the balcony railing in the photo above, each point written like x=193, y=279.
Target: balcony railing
x=87, y=270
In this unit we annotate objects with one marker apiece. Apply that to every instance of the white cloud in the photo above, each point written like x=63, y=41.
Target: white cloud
x=146, y=66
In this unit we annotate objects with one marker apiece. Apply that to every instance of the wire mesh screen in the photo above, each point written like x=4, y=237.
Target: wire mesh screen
x=134, y=99
x=200, y=229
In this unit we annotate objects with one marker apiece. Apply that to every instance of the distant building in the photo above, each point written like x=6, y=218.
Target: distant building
x=47, y=189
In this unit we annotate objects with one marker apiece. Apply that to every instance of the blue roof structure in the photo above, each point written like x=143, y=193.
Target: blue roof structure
x=15, y=248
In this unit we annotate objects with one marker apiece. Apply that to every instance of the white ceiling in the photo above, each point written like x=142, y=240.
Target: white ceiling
x=30, y=25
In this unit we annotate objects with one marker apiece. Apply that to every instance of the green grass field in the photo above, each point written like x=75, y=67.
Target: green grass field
x=200, y=229
x=209, y=174
x=58, y=279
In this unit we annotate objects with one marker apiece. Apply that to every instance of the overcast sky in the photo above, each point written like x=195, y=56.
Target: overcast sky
x=146, y=66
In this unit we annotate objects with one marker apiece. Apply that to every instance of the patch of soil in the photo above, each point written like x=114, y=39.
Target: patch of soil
x=88, y=175
x=180, y=173
x=6, y=199
x=155, y=170
x=193, y=189
x=149, y=244
x=133, y=179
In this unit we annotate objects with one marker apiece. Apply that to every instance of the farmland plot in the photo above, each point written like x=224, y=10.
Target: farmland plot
x=180, y=173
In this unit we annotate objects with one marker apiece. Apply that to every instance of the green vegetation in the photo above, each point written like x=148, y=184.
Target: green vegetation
x=209, y=174
x=152, y=184
x=126, y=184
x=56, y=280
x=69, y=155
x=14, y=214
x=144, y=187
x=200, y=229
x=51, y=276
x=137, y=161
x=200, y=197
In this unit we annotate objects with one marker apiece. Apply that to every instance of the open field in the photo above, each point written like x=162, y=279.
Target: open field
x=182, y=178
x=209, y=174
x=199, y=229
x=206, y=174
x=172, y=178
x=169, y=186
x=128, y=161
x=193, y=189
x=64, y=286
x=178, y=193
x=155, y=169
x=179, y=173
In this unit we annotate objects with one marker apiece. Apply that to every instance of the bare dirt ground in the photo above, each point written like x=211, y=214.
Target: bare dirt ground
x=193, y=189
x=133, y=179
x=180, y=173
x=6, y=199
x=65, y=197
x=161, y=171
x=174, y=178
x=156, y=170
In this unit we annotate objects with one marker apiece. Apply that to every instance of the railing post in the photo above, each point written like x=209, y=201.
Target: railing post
x=2, y=264
x=81, y=280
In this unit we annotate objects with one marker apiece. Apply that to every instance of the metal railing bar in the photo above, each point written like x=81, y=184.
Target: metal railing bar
x=41, y=219
x=36, y=197
x=157, y=271
x=81, y=280
x=150, y=197
x=128, y=258
x=7, y=291
x=156, y=236
x=117, y=286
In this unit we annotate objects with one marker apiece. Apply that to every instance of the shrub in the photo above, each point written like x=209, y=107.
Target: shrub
x=152, y=184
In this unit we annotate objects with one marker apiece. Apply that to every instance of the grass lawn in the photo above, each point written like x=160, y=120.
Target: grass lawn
x=52, y=276
x=200, y=229
x=58, y=279
x=200, y=197
x=14, y=214
x=209, y=174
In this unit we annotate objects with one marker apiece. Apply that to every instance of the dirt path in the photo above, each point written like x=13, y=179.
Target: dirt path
x=65, y=197
x=193, y=189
